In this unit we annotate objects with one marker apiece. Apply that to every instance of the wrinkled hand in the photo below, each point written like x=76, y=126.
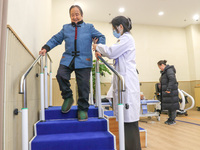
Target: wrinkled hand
x=97, y=54
x=94, y=43
x=167, y=91
x=94, y=46
x=42, y=52
x=95, y=40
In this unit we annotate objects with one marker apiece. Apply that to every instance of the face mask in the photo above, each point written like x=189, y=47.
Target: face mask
x=117, y=35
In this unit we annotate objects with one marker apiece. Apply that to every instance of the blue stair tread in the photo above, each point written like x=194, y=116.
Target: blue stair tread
x=141, y=129
x=109, y=113
x=55, y=112
x=74, y=107
x=59, y=108
x=74, y=141
x=71, y=125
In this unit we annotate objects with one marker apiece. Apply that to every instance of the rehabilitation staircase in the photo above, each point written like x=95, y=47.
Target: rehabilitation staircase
x=64, y=132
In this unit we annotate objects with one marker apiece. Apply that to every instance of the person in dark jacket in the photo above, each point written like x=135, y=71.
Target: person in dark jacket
x=169, y=90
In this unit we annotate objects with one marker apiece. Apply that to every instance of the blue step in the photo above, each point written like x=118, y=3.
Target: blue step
x=71, y=126
x=109, y=113
x=74, y=141
x=64, y=132
x=55, y=113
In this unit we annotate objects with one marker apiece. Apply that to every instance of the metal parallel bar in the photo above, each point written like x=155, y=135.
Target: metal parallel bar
x=121, y=88
x=45, y=83
x=46, y=60
x=24, y=111
x=114, y=71
x=96, y=97
x=51, y=66
x=96, y=85
x=42, y=116
x=121, y=126
x=91, y=89
x=24, y=128
x=22, y=87
x=50, y=81
x=98, y=91
x=120, y=77
x=25, y=94
x=49, y=58
x=21, y=90
x=111, y=64
x=50, y=90
x=120, y=117
x=50, y=86
x=41, y=65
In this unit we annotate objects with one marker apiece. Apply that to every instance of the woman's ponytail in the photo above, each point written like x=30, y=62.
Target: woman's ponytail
x=129, y=23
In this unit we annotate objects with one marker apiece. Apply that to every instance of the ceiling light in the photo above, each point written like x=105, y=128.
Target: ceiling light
x=196, y=17
x=77, y=3
x=161, y=13
x=121, y=10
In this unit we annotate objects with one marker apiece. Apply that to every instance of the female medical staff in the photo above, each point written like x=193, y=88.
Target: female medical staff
x=123, y=53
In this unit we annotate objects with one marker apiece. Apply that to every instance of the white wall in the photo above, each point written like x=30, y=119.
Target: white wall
x=196, y=41
x=190, y=50
x=154, y=43
x=38, y=21
x=193, y=44
x=31, y=21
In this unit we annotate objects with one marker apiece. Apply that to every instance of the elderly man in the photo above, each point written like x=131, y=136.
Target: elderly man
x=77, y=57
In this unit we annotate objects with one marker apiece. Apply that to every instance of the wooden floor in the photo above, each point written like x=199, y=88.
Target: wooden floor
x=184, y=135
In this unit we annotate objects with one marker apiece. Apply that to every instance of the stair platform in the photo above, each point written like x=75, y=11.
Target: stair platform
x=64, y=131
x=55, y=112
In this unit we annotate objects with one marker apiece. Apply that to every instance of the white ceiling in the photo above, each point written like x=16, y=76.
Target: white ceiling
x=177, y=13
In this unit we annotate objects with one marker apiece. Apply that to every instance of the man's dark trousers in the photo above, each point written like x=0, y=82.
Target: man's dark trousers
x=82, y=78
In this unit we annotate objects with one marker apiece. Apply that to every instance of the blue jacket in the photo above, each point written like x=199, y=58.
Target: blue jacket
x=79, y=50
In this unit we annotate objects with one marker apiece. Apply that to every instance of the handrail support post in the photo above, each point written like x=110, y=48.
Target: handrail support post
x=121, y=89
x=98, y=91
x=45, y=83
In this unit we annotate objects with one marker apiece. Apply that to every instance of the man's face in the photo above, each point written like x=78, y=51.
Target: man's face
x=75, y=15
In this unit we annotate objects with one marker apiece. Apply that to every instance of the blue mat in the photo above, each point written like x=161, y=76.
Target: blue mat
x=55, y=113
x=65, y=132
x=109, y=113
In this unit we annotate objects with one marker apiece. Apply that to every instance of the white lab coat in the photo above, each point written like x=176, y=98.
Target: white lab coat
x=123, y=52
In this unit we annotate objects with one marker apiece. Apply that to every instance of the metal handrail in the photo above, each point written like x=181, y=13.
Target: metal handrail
x=121, y=88
x=22, y=86
x=49, y=58
x=98, y=91
x=22, y=90
x=120, y=77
